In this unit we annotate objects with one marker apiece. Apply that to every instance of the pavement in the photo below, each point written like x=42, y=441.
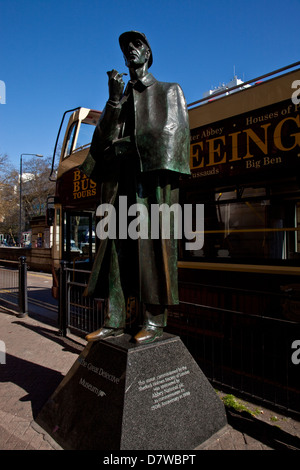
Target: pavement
x=33, y=361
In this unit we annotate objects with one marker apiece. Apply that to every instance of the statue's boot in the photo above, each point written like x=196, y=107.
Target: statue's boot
x=154, y=322
x=103, y=333
x=148, y=334
x=114, y=320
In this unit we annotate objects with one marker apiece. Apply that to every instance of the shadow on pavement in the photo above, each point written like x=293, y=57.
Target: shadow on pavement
x=68, y=344
x=38, y=381
x=269, y=434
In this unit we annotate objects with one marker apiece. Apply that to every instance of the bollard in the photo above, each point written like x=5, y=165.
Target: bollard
x=23, y=301
x=62, y=312
x=2, y=352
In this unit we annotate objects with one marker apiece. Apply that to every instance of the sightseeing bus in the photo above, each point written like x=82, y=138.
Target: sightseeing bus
x=239, y=307
x=71, y=212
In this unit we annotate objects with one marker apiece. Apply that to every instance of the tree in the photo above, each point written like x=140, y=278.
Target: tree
x=9, y=204
x=36, y=187
x=5, y=168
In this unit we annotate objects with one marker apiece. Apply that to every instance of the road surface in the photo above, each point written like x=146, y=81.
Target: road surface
x=40, y=300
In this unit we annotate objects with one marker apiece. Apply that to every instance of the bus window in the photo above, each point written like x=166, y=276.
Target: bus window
x=71, y=137
x=250, y=226
x=79, y=236
x=85, y=135
x=84, y=138
x=298, y=227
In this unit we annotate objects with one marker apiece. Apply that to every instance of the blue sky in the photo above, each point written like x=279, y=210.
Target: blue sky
x=54, y=55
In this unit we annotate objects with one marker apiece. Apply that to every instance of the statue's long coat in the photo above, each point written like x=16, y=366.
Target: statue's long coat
x=161, y=148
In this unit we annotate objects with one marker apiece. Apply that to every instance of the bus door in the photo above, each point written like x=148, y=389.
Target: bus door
x=79, y=241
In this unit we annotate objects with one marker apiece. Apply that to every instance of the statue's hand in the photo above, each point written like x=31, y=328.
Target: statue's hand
x=115, y=85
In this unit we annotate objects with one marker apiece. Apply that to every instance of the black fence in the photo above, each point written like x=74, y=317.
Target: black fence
x=77, y=314
x=245, y=353
x=13, y=285
x=250, y=354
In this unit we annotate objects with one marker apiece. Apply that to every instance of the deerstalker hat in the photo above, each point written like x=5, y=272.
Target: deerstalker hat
x=126, y=37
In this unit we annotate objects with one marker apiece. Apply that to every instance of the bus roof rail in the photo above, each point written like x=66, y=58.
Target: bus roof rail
x=55, y=147
x=222, y=92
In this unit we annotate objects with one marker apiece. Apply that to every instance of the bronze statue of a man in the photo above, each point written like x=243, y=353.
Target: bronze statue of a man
x=140, y=147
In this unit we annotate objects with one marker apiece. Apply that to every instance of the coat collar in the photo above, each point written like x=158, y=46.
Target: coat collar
x=145, y=81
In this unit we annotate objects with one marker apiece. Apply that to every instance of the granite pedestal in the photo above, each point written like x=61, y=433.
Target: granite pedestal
x=123, y=396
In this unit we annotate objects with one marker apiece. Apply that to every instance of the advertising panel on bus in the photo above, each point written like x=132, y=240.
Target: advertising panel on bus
x=266, y=138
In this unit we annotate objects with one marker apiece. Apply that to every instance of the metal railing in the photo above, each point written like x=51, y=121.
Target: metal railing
x=13, y=285
x=237, y=349
x=77, y=313
x=242, y=340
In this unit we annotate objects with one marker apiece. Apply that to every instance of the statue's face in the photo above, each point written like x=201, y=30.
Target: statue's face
x=136, y=54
